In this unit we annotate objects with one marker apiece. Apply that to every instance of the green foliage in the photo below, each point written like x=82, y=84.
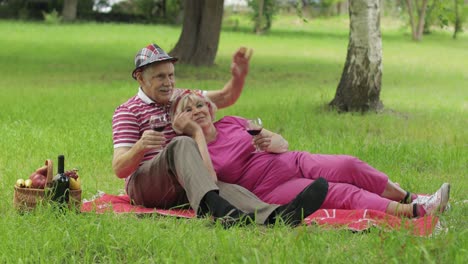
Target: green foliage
x=392, y=8
x=126, y=7
x=152, y=11
x=438, y=13
x=269, y=10
x=59, y=96
x=17, y=9
x=327, y=7
x=443, y=14
x=460, y=17
x=52, y=18
x=231, y=21
x=34, y=10
x=84, y=8
x=174, y=11
x=148, y=8
x=449, y=13
x=10, y=9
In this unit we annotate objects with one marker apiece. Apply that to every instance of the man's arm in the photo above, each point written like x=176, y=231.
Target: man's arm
x=127, y=159
x=233, y=88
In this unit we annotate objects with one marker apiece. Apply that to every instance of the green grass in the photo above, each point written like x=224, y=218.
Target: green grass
x=61, y=83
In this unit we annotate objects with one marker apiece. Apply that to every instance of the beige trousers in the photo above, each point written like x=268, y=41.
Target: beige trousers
x=177, y=176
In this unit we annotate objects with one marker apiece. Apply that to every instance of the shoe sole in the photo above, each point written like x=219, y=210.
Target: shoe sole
x=306, y=203
x=445, y=197
x=315, y=194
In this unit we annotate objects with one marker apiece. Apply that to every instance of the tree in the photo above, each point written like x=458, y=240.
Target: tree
x=417, y=10
x=258, y=20
x=457, y=18
x=360, y=84
x=263, y=14
x=444, y=14
x=198, y=42
x=69, y=10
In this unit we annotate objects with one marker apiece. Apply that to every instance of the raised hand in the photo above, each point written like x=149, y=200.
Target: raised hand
x=240, y=62
x=233, y=88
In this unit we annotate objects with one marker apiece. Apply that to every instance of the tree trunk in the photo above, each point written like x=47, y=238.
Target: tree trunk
x=69, y=10
x=409, y=5
x=458, y=25
x=361, y=80
x=259, y=20
x=417, y=13
x=422, y=19
x=341, y=7
x=163, y=8
x=198, y=42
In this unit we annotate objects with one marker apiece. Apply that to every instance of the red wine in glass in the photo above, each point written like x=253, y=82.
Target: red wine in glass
x=158, y=122
x=159, y=128
x=254, y=127
x=254, y=132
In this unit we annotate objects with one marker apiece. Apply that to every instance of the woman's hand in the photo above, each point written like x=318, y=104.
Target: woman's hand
x=270, y=142
x=262, y=141
x=183, y=124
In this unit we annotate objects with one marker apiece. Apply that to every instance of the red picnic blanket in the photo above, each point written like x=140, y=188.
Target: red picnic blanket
x=354, y=220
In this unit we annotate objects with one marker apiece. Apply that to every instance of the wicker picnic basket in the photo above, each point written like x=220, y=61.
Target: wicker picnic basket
x=26, y=199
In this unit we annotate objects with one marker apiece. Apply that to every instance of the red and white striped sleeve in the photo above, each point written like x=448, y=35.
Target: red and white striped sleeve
x=125, y=128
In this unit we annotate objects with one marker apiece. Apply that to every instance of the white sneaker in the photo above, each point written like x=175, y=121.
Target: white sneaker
x=421, y=199
x=438, y=201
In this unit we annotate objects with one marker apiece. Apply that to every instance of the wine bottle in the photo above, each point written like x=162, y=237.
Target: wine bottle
x=61, y=184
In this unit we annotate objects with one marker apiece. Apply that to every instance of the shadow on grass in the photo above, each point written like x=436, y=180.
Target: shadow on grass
x=282, y=33
x=269, y=70
x=400, y=36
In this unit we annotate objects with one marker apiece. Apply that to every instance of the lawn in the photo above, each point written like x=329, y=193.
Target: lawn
x=61, y=83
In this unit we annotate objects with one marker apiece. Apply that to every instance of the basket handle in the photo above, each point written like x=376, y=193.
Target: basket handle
x=50, y=171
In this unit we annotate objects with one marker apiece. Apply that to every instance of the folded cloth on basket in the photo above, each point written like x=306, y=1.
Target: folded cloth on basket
x=354, y=220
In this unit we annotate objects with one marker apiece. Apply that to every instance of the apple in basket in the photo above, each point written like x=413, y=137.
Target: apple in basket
x=42, y=170
x=39, y=178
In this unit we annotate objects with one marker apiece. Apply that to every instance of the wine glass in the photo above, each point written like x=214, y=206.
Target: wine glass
x=158, y=122
x=254, y=127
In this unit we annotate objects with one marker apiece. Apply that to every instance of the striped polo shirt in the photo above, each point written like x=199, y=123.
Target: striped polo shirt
x=131, y=119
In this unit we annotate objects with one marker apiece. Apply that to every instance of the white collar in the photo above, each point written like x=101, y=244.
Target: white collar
x=144, y=97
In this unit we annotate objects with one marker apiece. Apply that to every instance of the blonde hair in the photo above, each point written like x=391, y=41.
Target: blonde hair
x=192, y=96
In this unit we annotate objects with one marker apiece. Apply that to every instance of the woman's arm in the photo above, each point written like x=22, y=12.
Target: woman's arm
x=203, y=147
x=183, y=123
x=270, y=142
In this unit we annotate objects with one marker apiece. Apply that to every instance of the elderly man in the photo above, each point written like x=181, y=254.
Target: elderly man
x=164, y=170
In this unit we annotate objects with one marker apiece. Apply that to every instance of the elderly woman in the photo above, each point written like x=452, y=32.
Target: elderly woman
x=277, y=175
